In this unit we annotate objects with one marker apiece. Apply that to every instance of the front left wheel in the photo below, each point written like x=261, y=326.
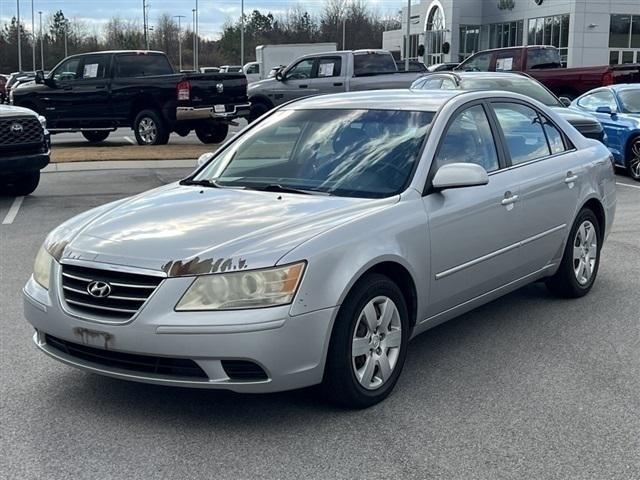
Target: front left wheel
x=633, y=158
x=96, y=136
x=368, y=344
x=212, y=132
x=20, y=185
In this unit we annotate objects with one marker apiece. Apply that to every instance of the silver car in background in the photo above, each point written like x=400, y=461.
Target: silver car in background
x=315, y=244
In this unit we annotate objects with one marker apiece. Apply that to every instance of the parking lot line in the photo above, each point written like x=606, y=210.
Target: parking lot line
x=627, y=185
x=130, y=140
x=13, y=211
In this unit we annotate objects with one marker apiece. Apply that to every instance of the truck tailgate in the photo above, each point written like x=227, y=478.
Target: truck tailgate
x=209, y=89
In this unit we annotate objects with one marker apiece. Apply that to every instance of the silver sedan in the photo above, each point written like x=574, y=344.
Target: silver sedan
x=314, y=245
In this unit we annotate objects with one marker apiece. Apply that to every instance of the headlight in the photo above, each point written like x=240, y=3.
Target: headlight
x=42, y=268
x=43, y=121
x=251, y=289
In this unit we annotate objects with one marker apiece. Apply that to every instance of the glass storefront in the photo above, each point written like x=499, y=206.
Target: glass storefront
x=469, y=41
x=552, y=30
x=624, y=39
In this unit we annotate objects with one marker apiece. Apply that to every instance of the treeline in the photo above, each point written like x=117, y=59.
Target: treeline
x=364, y=27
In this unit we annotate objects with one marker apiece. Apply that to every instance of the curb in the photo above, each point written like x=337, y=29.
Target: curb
x=117, y=165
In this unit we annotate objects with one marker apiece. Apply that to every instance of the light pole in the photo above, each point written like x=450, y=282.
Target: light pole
x=179, y=17
x=41, y=43
x=242, y=33
x=19, y=42
x=344, y=32
x=197, y=52
x=408, y=39
x=193, y=11
x=144, y=24
x=33, y=36
x=66, y=32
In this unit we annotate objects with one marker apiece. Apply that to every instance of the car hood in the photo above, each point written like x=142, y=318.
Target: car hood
x=11, y=111
x=186, y=230
x=577, y=119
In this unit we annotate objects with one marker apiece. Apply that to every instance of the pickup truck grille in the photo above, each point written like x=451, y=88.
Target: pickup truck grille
x=106, y=294
x=20, y=131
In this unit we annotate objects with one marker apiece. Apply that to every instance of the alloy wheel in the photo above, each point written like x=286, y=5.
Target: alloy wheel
x=585, y=252
x=634, y=161
x=148, y=130
x=376, y=342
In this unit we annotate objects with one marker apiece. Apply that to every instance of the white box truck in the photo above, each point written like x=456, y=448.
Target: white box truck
x=270, y=56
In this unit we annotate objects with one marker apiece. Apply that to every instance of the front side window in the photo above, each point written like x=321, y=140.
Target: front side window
x=598, y=99
x=68, y=71
x=354, y=153
x=523, y=85
x=301, y=70
x=255, y=68
x=523, y=132
x=469, y=140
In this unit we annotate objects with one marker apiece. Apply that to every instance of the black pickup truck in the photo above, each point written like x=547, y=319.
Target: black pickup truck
x=96, y=93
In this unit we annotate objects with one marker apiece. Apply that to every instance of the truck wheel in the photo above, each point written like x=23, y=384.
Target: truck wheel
x=257, y=110
x=212, y=132
x=96, y=136
x=150, y=129
x=21, y=185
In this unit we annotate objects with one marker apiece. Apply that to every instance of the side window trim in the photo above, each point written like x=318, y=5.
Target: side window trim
x=501, y=160
x=568, y=144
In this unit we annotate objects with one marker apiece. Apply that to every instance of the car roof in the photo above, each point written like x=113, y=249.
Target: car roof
x=405, y=99
x=625, y=86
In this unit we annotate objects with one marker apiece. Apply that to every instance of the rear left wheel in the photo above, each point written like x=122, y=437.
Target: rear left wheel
x=368, y=344
x=212, y=132
x=96, y=136
x=150, y=129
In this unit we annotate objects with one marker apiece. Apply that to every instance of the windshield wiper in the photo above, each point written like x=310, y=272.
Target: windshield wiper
x=275, y=187
x=201, y=183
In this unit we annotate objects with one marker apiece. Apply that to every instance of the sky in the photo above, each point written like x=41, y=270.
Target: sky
x=213, y=13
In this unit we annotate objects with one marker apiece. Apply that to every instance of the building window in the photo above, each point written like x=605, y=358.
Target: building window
x=434, y=36
x=553, y=30
x=498, y=35
x=624, y=39
x=469, y=41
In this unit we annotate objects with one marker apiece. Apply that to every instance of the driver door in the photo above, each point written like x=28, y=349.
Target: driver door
x=297, y=81
x=56, y=100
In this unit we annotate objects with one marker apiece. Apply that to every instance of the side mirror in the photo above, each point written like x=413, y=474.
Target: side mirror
x=605, y=109
x=566, y=101
x=460, y=175
x=39, y=77
x=204, y=158
x=279, y=77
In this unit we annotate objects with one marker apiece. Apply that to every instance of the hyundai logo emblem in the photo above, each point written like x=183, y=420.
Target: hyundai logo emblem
x=219, y=87
x=99, y=289
x=16, y=128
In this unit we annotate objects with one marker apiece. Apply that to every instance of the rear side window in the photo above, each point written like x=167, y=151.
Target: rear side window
x=95, y=67
x=371, y=63
x=555, y=138
x=479, y=63
x=469, y=140
x=329, y=67
x=142, y=65
x=543, y=58
x=523, y=132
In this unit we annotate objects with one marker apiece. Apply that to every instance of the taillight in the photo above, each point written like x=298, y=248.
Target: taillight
x=184, y=90
x=607, y=79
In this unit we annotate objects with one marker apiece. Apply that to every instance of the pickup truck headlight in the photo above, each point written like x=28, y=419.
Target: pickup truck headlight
x=43, y=121
x=42, y=268
x=243, y=290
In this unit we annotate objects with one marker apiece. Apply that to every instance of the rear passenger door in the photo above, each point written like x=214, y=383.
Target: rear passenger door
x=475, y=231
x=549, y=172
x=327, y=76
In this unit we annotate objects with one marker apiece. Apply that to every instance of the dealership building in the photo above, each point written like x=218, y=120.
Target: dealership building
x=587, y=32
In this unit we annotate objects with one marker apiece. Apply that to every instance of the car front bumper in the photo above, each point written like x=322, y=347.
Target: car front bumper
x=186, y=114
x=290, y=350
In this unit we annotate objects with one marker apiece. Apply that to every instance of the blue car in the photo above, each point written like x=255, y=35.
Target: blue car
x=617, y=107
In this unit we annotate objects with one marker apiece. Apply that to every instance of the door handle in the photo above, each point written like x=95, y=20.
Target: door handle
x=338, y=84
x=100, y=87
x=509, y=199
x=303, y=86
x=570, y=178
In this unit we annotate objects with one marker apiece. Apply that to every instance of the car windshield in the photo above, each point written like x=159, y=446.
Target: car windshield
x=630, y=99
x=523, y=86
x=355, y=153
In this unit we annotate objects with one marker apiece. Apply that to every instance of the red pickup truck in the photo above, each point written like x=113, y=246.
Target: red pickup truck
x=544, y=64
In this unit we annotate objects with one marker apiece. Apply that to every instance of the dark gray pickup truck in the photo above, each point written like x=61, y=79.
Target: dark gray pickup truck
x=24, y=150
x=96, y=93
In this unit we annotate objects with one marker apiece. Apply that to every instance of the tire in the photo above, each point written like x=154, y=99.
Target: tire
x=21, y=185
x=357, y=381
x=150, y=129
x=257, y=110
x=96, y=136
x=633, y=158
x=212, y=132
x=572, y=280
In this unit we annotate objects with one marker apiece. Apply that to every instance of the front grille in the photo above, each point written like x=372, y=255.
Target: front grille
x=243, y=370
x=172, y=367
x=128, y=292
x=30, y=131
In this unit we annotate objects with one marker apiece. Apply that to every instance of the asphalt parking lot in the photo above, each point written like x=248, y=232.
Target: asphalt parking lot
x=527, y=387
